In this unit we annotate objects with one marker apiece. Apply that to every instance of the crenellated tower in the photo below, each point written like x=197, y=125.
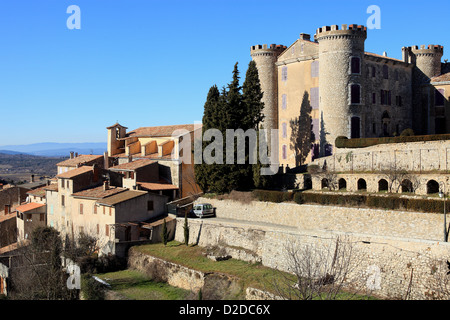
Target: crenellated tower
x=427, y=64
x=265, y=58
x=341, y=103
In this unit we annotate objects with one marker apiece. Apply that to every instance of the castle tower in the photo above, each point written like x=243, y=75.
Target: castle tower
x=341, y=102
x=427, y=61
x=265, y=59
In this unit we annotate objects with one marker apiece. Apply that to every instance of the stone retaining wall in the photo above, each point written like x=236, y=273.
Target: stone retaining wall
x=396, y=254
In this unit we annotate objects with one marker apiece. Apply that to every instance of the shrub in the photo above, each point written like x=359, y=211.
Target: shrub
x=367, y=142
x=92, y=289
x=407, y=133
x=272, y=196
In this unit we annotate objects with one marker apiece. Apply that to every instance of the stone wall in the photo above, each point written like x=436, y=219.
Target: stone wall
x=396, y=254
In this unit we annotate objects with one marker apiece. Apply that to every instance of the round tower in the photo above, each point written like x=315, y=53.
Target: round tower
x=427, y=59
x=265, y=58
x=341, y=58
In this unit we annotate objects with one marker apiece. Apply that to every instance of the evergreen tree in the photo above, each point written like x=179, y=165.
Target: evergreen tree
x=164, y=233
x=235, y=107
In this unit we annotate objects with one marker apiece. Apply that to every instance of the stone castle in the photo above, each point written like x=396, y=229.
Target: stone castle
x=333, y=84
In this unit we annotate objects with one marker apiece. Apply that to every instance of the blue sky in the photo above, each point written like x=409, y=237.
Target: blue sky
x=149, y=63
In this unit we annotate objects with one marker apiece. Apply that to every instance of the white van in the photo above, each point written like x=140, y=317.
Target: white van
x=201, y=210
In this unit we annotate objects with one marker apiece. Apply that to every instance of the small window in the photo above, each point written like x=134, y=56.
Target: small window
x=81, y=208
x=355, y=91
x=62, y=183
x=110, y=210
x=284, y=102
x=67, y=184
x=315, y=69
x=95, y=209
x=374, y=72
x=107, y=230
x=284, y=152
x=62, y=201
x=284, y=73
x=42, y=217
x=355, y=65
x=284, y=129
x=149, y=205
x=385, y=72
x=98, y=228
x=374, y=98
x=374, y=128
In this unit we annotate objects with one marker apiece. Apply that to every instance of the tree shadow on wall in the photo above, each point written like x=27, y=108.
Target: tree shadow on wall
x=302, y=134
x=326, y=149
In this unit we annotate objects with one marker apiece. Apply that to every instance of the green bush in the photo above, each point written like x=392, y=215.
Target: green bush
x=92, y=289
x=272, y=196
x=367, y=142
x=376, y=202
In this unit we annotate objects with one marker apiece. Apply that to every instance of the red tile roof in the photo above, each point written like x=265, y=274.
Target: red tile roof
x=160, y=131
x=29, y=206
x=98, y=192
x=74, y=172
x=81, y=159
x=121, y=197
x=133, y=165
x=154, y=186
x=38, y=192
x=442, y=78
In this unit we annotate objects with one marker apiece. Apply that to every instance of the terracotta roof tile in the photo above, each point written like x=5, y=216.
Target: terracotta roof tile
x=81, y=159
x=133, y=165
x=121, y=197
x=39, y=192
x=160, y=131
x=29, y=206
x=98, y=192
x=154, y=186
x=74, y=172
x=442, y=78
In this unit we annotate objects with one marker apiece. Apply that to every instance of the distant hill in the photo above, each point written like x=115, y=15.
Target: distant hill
x=53, y=149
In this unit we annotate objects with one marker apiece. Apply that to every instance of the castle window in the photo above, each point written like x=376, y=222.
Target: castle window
x=355, y=128
x=398, y=101
x=355, y=65
x=374, y=98
x=283, y=102
x=439, y=97
x=374, y=128
x=315, y=69
x=385, y=72
x=355, y=92
x=374, y=72
x=314, y=93
x=284, y=152
x=284, y=129
x=284, y=73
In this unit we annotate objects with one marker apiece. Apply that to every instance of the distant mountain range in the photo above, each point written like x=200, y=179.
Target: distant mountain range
x=53, y=149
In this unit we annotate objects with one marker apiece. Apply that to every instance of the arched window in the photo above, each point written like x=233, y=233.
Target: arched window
x=407, y=186
x=383, y=185
x=324, y=183
x=432, y=187
x=342, y=184
x=362, y=185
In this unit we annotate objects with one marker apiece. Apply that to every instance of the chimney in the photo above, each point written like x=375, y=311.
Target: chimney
x=76, y=154
x=32, y=178
x=106, y=185
x=384, y=54
x=71, y=154
x=304, y=36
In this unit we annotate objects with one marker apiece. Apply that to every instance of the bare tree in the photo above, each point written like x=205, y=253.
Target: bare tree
x=394, y=176
x=319, y=271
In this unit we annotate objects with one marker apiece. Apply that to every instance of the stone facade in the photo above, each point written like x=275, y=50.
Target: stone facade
x=342, y=90
x=397, y=255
